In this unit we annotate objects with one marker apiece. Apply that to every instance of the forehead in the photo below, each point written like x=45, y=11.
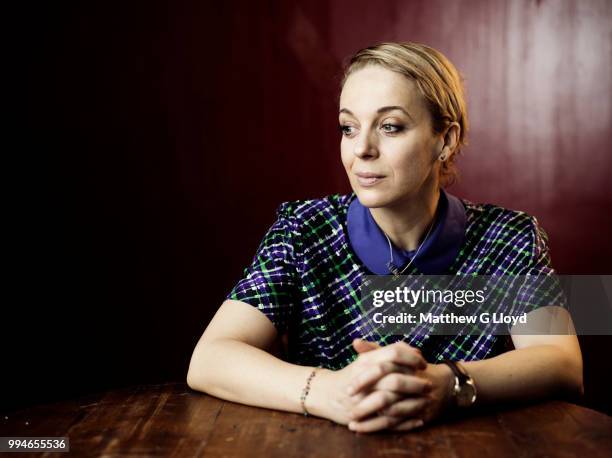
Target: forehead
x=372, y=87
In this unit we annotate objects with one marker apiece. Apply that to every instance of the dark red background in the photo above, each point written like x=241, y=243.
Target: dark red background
x=169, y=132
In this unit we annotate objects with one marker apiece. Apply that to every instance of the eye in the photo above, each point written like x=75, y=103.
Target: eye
x=345, y=130
x=392, y=128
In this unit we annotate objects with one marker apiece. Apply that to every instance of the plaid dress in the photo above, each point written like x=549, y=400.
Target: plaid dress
x=305, y=278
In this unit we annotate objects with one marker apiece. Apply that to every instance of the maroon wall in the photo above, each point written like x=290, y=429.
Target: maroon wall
x=174, y=129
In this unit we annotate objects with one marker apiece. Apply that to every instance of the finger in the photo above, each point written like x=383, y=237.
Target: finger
x=357, y=398
x=404, y=383
x=408, y=407
x=373, y=424
x=362, y=346
x=408, y=425
x=398, y=353
x=372, y=403
x=371, y=375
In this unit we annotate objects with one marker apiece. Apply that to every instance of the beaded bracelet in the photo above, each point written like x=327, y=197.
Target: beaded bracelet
x=306, y=390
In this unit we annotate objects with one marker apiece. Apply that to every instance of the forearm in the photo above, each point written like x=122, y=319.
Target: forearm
x=236, y=371
x=528, y=373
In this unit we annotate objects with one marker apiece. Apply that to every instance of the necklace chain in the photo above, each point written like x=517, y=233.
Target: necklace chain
x=391, y=265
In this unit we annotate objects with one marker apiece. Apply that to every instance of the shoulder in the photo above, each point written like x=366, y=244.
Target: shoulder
x=499, y=219
x=317, y=224
x=303, y=224
x=310, y=211
x=514, y=233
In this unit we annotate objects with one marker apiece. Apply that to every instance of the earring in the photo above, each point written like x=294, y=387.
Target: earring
x=442, y=157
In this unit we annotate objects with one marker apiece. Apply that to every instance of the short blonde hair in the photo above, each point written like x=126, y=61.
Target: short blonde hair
x=437, y=79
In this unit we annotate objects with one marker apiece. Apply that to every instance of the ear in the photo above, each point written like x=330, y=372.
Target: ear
x=450, y=141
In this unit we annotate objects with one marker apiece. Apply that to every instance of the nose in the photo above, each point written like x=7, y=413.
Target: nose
x=366, y=145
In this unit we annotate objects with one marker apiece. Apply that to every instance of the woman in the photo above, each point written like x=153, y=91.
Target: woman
x=403, y=120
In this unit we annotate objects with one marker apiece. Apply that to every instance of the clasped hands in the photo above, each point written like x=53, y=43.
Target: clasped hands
x=391, y=387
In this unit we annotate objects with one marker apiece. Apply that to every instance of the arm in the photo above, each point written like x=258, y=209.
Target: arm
x=540, y=366
x=231, y=361
x=546, y=362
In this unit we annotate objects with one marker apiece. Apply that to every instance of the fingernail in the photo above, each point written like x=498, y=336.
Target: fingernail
x=418, y=424
x=350, y=390
x=352, y=425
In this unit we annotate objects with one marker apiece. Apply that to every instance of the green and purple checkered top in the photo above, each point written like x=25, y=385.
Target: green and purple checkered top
x=306, y=275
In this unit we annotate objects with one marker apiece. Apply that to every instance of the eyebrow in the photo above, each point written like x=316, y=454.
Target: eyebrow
x=380, y=110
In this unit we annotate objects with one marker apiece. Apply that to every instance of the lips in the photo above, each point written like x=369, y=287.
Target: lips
x=368, y=179
x=369, y=175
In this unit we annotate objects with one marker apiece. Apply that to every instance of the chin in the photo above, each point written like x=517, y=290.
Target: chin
x=371, y=198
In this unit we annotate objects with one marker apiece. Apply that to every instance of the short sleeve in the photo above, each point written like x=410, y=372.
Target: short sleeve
x=540, y=263
x=539, y=284
x=269, y=283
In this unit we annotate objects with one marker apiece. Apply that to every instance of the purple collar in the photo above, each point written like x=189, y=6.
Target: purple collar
x=437, y=253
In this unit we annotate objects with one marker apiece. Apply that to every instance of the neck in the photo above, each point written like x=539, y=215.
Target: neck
x=406, y=222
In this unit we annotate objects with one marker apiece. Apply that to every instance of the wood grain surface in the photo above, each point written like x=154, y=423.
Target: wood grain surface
x=172, y=420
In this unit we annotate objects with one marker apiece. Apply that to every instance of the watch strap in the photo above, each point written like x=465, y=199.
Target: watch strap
x=460, y=374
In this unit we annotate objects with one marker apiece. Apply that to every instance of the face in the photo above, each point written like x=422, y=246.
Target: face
x=389, y=150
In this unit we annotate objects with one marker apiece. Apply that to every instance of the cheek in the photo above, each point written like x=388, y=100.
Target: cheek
x=399, y=161
x=346, y=156
x=406, y=169
x=411, y=160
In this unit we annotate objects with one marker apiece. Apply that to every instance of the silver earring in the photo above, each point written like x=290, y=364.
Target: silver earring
x=442, y=157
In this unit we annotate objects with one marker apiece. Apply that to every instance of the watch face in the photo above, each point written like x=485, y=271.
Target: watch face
x=467, y=394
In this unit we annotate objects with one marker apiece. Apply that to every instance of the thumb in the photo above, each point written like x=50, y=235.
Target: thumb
x=362, y=346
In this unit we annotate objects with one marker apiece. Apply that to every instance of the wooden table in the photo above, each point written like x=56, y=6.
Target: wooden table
x=172, y=420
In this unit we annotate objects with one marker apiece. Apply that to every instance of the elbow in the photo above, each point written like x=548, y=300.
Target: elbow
x=202, y=375
x=577, y=385
x=573, y=387
x=190, y=380
x=574, y=379
x=196, y=381
x=195, y=373
x=574, y=391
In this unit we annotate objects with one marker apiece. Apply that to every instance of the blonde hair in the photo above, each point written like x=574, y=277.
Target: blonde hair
x=437, y=79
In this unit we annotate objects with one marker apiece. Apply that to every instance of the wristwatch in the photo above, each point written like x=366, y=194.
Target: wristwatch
x=464, y=391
